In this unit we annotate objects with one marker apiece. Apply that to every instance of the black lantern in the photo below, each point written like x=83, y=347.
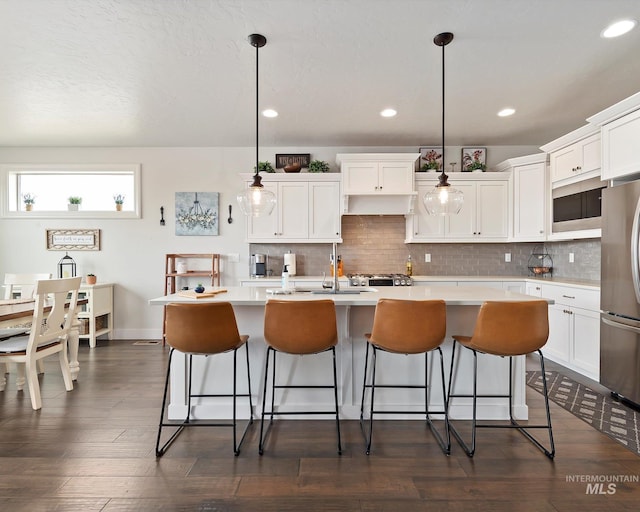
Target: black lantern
x=66, y=267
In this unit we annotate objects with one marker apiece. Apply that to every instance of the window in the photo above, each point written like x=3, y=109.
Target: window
x=104, y=191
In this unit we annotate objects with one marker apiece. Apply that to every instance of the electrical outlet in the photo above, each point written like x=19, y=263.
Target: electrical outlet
x=427, y=258
x=507, y=257
x=571, y=257
x=233, y=257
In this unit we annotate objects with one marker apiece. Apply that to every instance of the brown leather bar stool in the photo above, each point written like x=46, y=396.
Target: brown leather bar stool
x=298, y=328
x=203, y=329
x=505, y=329
x=406, y=327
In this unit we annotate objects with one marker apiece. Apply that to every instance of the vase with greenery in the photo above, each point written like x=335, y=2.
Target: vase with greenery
x=29, y=200
x=119, y=200
x=264, y=167
x=318, y=166
x=74, y=203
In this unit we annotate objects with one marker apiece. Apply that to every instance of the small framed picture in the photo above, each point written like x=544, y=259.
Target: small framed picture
x=474, y=159
x=288, y=159
x=430, y=159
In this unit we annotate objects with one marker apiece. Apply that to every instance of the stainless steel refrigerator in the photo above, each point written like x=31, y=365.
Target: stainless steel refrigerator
x=620, y=291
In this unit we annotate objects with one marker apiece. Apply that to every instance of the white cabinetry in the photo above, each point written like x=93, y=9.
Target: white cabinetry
x=574, y=156
x=375, y=183
x=96, y=316
x=484, y=216
x=307, y=209
x=620, y=131
x=530, y=196
x=574, y=328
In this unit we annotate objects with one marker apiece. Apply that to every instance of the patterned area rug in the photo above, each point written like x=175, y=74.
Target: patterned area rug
x=600, y=411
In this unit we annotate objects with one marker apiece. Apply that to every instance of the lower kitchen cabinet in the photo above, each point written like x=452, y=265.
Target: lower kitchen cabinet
x=574, y=328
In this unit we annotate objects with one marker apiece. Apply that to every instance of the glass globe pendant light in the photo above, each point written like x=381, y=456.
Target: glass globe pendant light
x=257, y=201
x=443, y=199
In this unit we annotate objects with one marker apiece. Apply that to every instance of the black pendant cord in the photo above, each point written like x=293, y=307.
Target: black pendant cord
x=257, y=109
x=443, y=159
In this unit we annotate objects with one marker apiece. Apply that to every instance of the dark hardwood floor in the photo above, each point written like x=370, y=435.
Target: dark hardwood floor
x=93, y=450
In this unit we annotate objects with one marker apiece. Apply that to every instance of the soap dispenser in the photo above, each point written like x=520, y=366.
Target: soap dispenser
x=285, y=277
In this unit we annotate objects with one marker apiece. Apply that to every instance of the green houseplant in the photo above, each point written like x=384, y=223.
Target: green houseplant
x=91, y=279
x=265, y=167
x=74, y=203
x=119, y=200
x=29, y=200
x=318, y=166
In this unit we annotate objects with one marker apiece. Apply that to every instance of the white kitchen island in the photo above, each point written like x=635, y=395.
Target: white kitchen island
x=355, y=318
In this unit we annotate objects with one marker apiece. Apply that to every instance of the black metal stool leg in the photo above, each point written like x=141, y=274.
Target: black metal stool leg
x=264, y=399
x=335, y=394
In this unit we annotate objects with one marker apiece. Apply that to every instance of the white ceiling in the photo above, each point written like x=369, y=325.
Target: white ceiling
x=182, y=73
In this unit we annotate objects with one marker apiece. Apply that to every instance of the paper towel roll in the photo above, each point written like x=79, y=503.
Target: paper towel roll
x=290, y=261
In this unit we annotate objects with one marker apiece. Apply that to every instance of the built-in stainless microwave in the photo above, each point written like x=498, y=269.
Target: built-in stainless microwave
x=577, y=206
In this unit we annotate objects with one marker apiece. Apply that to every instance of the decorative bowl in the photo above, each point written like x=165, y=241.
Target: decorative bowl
x=541, y=270
x=292, y=168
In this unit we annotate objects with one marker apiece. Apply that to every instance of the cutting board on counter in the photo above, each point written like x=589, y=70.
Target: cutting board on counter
x=206, y=294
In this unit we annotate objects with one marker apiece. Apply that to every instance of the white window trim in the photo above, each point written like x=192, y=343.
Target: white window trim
x=6, y=170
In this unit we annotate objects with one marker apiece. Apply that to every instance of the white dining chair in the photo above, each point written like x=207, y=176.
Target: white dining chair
x=21, y=286
x=48, y=335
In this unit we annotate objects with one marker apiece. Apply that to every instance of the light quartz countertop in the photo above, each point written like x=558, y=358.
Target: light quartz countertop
x=453, y=296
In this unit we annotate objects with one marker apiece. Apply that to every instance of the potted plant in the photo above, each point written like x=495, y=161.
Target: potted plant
x=199, y=288
x=74, y=203
x=91, y=279
x=29, y=200
x=265, y=167
x=119, y=199
x=318, y=166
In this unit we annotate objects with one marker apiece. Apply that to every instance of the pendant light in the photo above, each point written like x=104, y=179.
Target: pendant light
x=257, y=201
x=443, y=199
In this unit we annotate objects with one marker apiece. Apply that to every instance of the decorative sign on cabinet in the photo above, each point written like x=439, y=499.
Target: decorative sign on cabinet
x=307, y=209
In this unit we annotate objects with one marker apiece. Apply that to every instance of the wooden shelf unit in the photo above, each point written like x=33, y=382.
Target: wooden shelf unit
x=171, y=274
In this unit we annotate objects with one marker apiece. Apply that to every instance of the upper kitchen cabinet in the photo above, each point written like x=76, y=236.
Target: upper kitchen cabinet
x=530, y=196
x=377, y=183
x=620, y=131
x=307, y=209
x=574, y=156
x=484, y=216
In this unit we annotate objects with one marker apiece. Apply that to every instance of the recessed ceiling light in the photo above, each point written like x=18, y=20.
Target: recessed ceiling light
x=269, y=113
x=388, y=112
x=619, y=28
x=506, y=112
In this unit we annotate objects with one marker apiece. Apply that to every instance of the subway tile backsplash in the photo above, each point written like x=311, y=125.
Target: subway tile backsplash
x=376, y=244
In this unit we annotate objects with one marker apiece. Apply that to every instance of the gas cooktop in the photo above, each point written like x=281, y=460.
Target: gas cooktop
x=379, y=280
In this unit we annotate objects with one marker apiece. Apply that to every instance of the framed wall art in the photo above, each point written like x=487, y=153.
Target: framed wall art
x=73, y=239
x=430, y=159
x=197, y=213
x=474, y=159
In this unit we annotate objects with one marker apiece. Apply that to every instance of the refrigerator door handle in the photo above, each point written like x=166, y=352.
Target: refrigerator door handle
x=635, y=247
x=618, y=325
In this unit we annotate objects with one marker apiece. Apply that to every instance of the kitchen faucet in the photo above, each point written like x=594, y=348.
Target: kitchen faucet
x=336, y=284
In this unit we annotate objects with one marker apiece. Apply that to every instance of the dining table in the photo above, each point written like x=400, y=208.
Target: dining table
x=18, y=312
